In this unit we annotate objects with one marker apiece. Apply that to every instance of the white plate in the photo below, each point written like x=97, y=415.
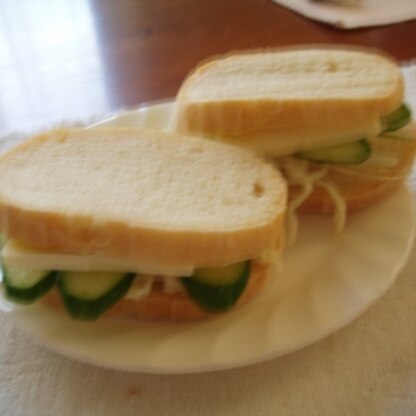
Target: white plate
x=327, y=280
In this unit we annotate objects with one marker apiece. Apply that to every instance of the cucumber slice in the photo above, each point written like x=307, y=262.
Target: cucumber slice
x=344, y=154
x=218, y=289
x=87, y=295
x=26, y=286
x=397, y=119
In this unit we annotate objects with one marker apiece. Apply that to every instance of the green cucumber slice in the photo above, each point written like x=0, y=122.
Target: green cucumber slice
x=352, y=153
x=26, y=286
x=87, y=295
x=397, y=119
x=218, y=289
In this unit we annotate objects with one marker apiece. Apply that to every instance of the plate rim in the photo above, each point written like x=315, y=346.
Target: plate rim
x=151, y=369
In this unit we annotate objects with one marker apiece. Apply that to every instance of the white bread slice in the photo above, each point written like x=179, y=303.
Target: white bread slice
x=305, y=95
x=158, y=198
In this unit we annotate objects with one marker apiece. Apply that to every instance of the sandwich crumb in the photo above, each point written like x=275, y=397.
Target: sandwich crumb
x=258, y=189
x=134, y=391
x=332, y=66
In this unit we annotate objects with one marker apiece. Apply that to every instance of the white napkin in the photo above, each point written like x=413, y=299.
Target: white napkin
x=363, y=13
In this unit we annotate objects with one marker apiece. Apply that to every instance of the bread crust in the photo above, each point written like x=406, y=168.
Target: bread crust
x=242, y=118
x=176, y=307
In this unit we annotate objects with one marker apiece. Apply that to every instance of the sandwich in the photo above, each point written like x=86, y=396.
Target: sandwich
x=137, y=224
x=331, y=118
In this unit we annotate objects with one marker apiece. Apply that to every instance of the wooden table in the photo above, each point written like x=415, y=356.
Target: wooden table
x=73, y=59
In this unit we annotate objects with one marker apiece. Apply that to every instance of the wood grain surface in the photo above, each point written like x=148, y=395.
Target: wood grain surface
x=76, y=59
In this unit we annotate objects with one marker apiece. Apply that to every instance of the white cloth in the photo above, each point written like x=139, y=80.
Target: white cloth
x=368, y=368
x=363, y=13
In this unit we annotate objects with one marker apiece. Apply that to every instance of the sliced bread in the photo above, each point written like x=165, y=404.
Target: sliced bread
x=158, y=197
x=243, y=95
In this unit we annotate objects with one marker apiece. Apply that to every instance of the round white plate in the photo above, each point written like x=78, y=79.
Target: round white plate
x=326, y=281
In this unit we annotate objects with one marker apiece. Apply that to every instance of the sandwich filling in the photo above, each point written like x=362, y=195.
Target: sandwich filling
x=90, y=285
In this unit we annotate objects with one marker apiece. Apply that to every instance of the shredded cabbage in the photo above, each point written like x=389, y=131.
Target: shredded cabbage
x=298, y=172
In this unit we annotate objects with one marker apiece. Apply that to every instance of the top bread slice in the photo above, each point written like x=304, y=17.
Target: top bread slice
x=160, y=198
x=304, y=94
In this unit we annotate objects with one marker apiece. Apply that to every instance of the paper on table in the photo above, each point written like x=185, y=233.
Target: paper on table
x=364, y=13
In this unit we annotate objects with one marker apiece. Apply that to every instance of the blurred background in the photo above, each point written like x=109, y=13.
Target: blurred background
x=79, y=59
